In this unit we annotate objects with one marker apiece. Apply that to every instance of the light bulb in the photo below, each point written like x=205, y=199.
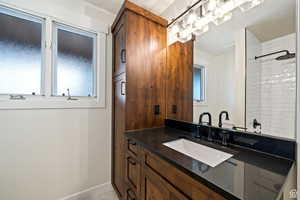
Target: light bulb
x=185, y=34
x=212, y=4
x=175, y=28
x=223, y=19
x=201, y=30
x=184, y=38
x=191, y=17
x=208, y=7
x=250, y=4
x=200, y=22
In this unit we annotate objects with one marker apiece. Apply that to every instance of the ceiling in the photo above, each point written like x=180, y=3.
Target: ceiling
x=274, y=18
x=113, y=6
x=268, y=21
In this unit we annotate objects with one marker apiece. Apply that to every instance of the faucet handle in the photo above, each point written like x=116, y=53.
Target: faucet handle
x=197, y=132
x=210, y=135
x=225, y=136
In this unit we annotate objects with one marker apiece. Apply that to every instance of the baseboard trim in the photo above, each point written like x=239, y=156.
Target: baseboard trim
x=91, y=193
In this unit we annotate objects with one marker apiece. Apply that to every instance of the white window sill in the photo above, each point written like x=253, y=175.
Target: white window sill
x=200, y=103
x=51, y=103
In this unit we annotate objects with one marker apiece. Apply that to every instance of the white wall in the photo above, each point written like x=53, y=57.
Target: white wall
x=298, y=96
x=52, y=153
x=220, y=84
x=253, y=91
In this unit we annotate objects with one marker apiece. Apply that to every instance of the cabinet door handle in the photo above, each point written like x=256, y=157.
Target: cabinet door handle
x=131, y=142
x=123, y=88
x=123, y=55
x=130, y=194
x=131, y=161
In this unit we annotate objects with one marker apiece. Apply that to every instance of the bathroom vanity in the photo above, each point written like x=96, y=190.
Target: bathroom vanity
x=156, y=171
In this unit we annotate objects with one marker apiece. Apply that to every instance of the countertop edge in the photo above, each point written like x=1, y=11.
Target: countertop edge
x=208, y=184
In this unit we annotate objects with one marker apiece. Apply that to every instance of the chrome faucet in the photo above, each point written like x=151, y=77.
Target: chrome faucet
x=201, y=118
x=220, y=117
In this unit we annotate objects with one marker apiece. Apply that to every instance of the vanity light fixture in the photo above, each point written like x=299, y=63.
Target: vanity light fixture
x=250, y=4
x=197, y=18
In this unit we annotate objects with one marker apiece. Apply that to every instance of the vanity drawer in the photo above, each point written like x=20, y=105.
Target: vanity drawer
x=187, y=185
x=132, y=147
x=132, y=172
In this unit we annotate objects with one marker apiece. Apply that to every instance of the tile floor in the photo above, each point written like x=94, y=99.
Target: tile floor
x=109, y=196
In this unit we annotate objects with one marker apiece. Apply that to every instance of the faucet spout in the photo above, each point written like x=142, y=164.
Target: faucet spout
x=220, y=117
x=201, y=118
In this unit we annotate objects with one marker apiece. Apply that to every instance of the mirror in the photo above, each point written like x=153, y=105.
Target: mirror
x=247, y=67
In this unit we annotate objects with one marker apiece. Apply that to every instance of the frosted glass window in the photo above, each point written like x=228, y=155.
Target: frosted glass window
x=20, y=53
x=74, y=62
x=199, y=83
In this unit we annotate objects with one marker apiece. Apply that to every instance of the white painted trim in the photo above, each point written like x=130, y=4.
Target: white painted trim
x=102, y=28
x=203, y=103
x=298, y=95
x=91, y=193
x=47, y=101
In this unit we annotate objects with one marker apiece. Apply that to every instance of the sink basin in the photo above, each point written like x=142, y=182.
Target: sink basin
x=204, y=154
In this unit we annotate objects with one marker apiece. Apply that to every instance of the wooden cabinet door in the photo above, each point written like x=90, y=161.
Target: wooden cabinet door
x=145, y=73
x=118, y=139
x=155, y=187
x=179, y=86
x=119, y=49
x=132, y=172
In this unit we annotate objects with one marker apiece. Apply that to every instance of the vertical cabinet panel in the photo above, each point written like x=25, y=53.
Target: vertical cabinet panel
x=179, y=86
x=132, y=172
x=143, y=101
x=118, y=140
x=119, y=49
x=146, y=61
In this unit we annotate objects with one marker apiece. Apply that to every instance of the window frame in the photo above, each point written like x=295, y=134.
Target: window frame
x=47, y=101
x=37, y=19
x=55, y=27
x=204, y=86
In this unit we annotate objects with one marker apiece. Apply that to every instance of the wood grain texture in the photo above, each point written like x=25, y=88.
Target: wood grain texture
x=133, y=169
x=118, y=138
x=186, y=185
x=179, y=86
x=118, y=47
x=127, y=5
x=145, y=72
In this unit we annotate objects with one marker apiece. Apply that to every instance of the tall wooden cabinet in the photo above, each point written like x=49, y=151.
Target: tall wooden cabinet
x=140, y=57
x=144, y=85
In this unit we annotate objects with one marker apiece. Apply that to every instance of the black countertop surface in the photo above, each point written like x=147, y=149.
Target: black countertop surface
x=248, y=175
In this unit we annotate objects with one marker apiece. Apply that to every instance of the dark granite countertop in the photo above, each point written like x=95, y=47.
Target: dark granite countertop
x=248, y=175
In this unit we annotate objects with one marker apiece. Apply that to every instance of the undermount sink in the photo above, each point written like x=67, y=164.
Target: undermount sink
x=204, y=154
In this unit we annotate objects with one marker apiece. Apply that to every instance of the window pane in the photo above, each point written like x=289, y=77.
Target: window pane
x=198, y=84
x=74, y=63
x=20, y=53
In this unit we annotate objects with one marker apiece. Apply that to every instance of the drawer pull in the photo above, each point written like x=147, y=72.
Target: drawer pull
x=131, y=160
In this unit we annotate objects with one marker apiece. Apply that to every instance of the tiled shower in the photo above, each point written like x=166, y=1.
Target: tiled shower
x=271, y=86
